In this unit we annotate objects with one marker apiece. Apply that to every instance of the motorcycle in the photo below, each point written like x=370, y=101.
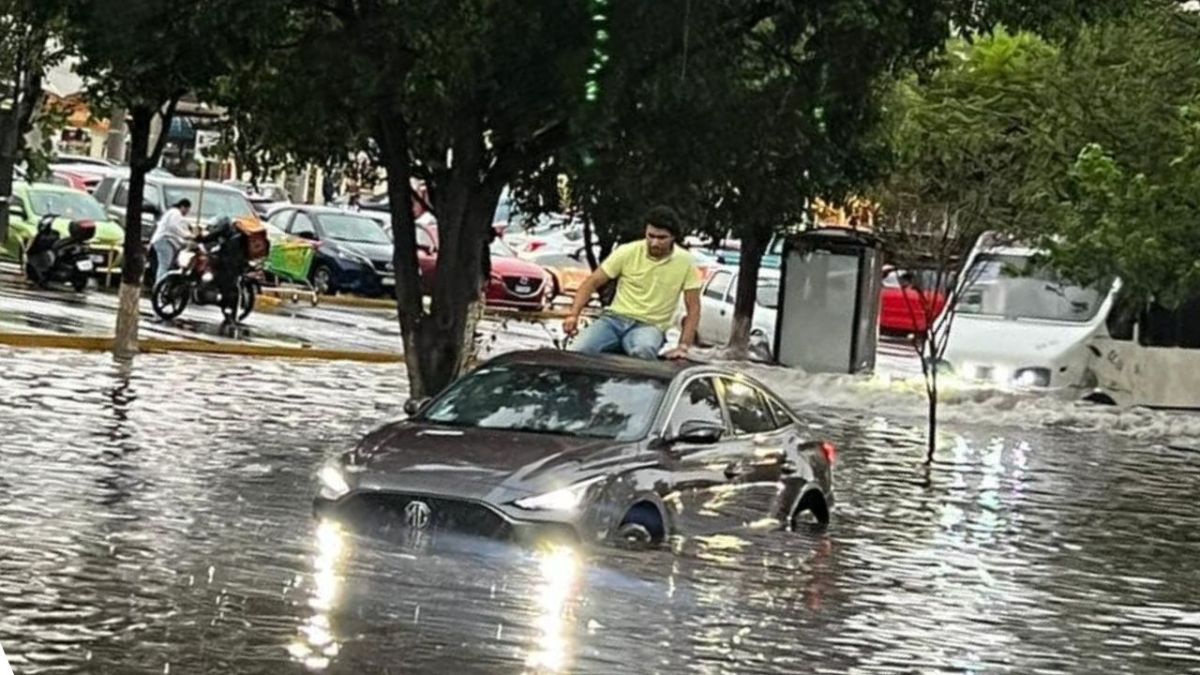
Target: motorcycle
x=203, y=275
x=50, y=257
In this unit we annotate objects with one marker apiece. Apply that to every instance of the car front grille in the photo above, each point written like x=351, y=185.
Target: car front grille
x=523, y=287
x=385, y=267
x=389, y=511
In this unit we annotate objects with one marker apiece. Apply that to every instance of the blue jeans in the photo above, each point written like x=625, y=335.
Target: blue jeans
x=613, y=334
x=165, y=252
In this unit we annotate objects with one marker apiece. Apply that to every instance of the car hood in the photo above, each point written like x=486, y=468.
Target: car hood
x=1017, y=344
x=480, y=464
x=372, y=252
x=515, y=267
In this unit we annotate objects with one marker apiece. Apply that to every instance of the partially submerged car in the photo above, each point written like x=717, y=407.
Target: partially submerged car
x=592, y=448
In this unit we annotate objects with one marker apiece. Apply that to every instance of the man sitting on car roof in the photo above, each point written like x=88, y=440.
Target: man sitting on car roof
x=651, y=275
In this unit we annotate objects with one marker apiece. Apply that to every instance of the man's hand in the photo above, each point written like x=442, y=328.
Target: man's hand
x=571, y=325
x=680, y=352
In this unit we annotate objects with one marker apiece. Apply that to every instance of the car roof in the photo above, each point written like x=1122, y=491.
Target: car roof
x=310, y=208
x=662, y=369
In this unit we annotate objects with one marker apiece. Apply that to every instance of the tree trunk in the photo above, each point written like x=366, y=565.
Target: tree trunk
x=6, y=181
x=933, y=407
x=133, y=267
x=754, y=244
x=114, y=145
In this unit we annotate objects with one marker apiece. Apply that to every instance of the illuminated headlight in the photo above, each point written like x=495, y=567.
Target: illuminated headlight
x=1032, y=377
x=566, y=499
x=333, y=482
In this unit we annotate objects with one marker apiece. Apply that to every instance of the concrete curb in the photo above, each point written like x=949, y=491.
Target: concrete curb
x=158, y=346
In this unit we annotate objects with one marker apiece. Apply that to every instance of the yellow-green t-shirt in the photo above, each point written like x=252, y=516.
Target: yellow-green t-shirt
x=648, y=290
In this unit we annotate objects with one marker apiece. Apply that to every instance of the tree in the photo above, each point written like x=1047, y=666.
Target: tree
x=462, y=94
x=143, y=56
x=968, y=157
x=30, y=44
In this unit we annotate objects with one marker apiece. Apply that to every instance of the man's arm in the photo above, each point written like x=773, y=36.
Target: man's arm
x=582, y=297
x=691, y=302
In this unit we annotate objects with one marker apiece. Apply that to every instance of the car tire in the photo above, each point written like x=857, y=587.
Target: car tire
x=811, y=511
x=322, y=279
x=641, y=528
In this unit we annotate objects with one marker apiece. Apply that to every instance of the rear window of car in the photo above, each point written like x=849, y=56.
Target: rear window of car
x=543, y=399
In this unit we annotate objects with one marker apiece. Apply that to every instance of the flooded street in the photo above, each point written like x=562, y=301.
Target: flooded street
x=159, y=521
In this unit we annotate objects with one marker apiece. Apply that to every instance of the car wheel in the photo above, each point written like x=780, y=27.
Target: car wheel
x=810, y=511
x=322, y=280
x=641, y=528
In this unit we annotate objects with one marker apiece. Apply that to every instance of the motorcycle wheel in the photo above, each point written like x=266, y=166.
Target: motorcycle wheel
x=246, y=304
x=170, y=296
x=79, y=281
x=34, y=276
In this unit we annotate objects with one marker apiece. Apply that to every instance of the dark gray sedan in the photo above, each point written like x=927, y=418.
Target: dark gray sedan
x=596, y=448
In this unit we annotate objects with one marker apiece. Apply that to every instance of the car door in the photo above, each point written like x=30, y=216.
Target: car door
x=712, y=304
x=699, y=485
x=303, y=227
x=756, y=452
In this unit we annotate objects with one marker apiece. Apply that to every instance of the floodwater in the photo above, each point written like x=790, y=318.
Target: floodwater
x=158, y=521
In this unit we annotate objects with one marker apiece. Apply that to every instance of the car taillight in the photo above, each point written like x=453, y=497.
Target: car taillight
x=829, y=451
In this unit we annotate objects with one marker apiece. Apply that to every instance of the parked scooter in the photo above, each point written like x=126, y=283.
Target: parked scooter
x=50, y=257
x=223, y=267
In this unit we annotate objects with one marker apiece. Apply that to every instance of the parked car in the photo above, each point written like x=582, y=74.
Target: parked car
x=514, y=284
x=729, y=251
x=903, y=309
x=31, y=202
x=161, y=192
x=716, y=310
x=596, y=449
x=353, y=253
x=266, y=199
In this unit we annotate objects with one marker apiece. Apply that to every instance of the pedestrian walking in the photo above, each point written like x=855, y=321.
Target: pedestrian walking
x=651, y=275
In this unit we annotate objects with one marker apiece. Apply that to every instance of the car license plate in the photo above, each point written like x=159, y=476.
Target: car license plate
x=83, y=265
x=522, y=288
x=389, y=281
x=99, y=258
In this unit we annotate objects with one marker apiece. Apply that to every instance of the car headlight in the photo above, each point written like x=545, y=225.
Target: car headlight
x=1032, y=377
x=333, y=482
x=565, y=499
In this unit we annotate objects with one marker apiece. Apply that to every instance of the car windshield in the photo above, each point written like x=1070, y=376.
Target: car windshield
x=215, y=203
x=1012, y=286
x=72, y=205
x=349, y=227
x=768, y=294
x=542, y=399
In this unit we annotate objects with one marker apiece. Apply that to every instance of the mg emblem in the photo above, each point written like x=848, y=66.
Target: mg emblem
x=416, y=515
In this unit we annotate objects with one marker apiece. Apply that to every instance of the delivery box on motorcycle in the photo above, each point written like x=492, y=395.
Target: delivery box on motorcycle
x=81, y=230
x=254, y=238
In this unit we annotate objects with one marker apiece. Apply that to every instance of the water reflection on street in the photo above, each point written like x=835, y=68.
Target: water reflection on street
x=159, y=520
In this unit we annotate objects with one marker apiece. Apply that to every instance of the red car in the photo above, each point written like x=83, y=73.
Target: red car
x=902, y=307
x=515, y=283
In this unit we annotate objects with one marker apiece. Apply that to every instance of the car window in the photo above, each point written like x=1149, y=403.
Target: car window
x=122, y=196
x=540, y=399
x=73, y=205
x=103, y=191
x=214, y=203
x=280, y=218
x=718, y=285
x=747, y=412
x=697, y=403
x=782, y=417
x=302, y=224
x=350, y=227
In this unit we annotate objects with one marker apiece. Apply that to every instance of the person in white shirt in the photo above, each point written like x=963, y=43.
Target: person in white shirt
x=170, y=236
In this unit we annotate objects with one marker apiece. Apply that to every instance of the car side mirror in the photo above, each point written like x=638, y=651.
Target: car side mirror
x=310, y=236
x=16, y=210
x=413, y=406
x=693, y=432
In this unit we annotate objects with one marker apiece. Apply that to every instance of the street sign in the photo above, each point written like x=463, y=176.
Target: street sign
x=206, y=142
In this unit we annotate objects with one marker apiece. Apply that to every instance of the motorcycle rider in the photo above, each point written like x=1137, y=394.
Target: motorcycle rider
x=228, y=256
x=170, y=236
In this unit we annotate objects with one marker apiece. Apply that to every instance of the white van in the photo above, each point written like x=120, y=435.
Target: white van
x=1020, y=325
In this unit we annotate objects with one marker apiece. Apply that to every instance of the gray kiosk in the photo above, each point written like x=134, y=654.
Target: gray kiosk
x=829, y=301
